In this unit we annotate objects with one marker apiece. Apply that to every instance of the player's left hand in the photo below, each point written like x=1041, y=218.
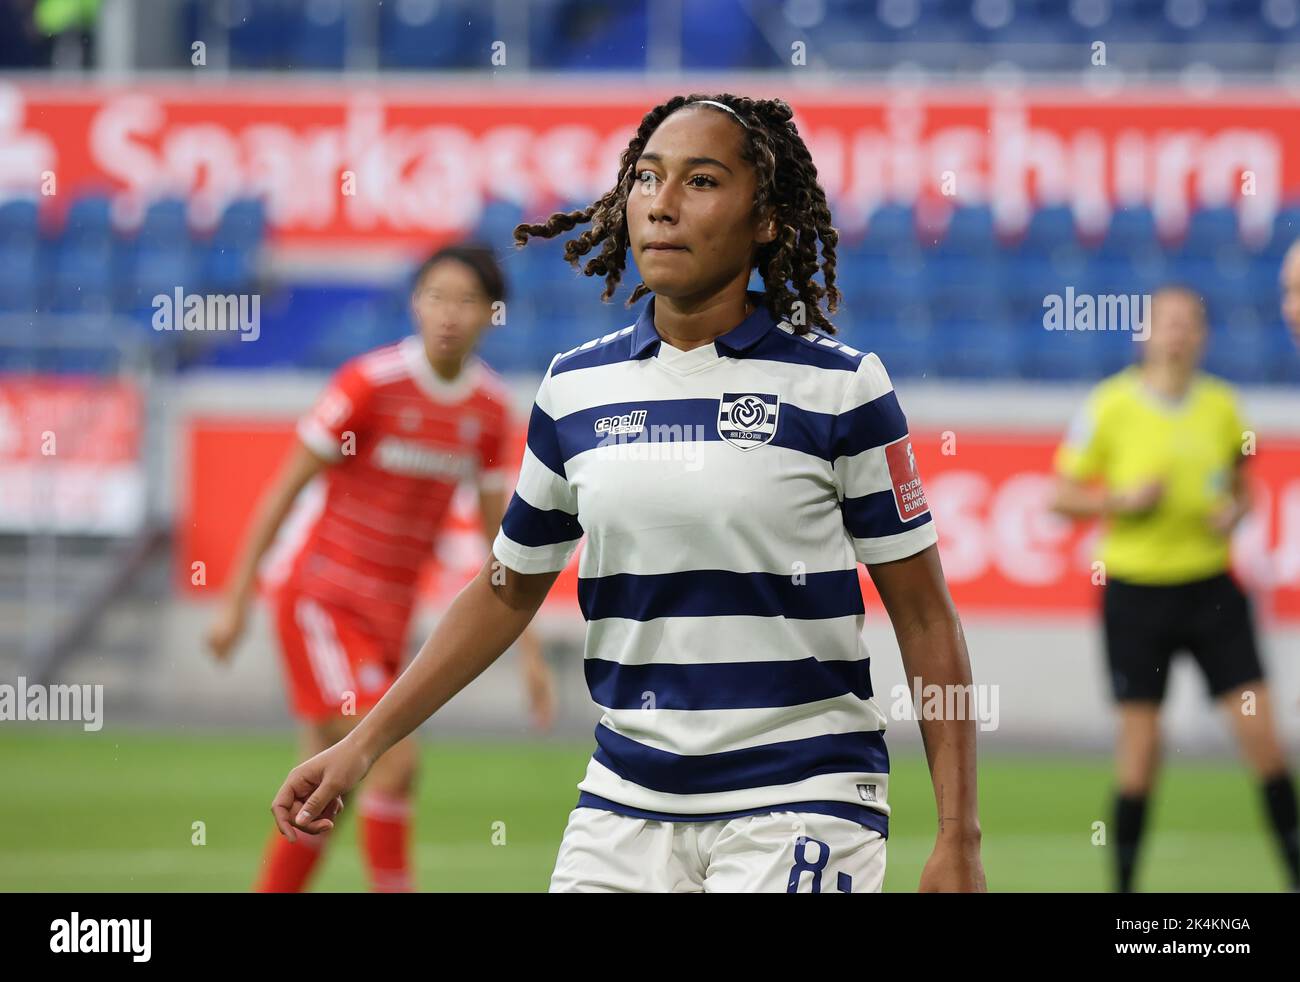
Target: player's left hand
x=954, y=867
x=1223, y=520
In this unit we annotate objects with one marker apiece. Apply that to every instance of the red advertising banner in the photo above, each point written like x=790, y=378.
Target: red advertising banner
x=1003, y=551
x=70, y=455
x=392, y=164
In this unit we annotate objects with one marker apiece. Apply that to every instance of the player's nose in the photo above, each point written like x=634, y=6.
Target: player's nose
x=663, y=206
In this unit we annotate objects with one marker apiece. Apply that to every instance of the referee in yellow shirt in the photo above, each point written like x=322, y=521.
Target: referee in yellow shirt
x=1157, y=454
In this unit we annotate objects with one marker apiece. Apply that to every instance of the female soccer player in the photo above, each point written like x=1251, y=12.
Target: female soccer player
x=1157, y=453
x=395, y=433
x=730, y=465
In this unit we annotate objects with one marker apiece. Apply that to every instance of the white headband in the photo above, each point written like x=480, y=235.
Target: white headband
x=720, y=105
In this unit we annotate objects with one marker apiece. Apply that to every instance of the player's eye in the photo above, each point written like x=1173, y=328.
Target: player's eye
x=705, y=177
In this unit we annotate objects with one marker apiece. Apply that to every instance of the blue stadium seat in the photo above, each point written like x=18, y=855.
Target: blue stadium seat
x=88, y=223
x=891, y=231
x=19, y=220
x=242, y=224
x=496, y=225
x=156, y=270
x=165, y=221
x=1226, y=282
x=1286, y=230
x=1049, y=228
x=723, y=34
x=226, y=270
x=358, y=326
x=904, y=22
x=436, y=34
x=1061, y=355
x=970, y=232
x=1027, y=278
x=970, y=349
x=965, y=288
x=1021, y=33
x=1116, y=350
x=905, y=347
x=1130, y=233
x=18, y=279
x=1240, y=352
x=81, y=263
x=1210, y=233
x=227, y=263
x=578, y=35
x=82, y=279
x=19, y=254
x=318, y=30
x=1105, y=277
x=1228, y=39
x=887, y=284
x=257, y=39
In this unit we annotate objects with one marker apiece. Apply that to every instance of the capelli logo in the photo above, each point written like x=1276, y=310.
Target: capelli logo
x=98, y=936
x=628, y=423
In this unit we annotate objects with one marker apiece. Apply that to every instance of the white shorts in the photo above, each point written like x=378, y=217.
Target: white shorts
x=780, y=852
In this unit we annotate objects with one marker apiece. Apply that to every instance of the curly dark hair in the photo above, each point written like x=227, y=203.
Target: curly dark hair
x=786, y=179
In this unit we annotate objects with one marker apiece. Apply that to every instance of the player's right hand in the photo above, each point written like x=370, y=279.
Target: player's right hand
x=1138, y=501
x=312, y=795
x=226, y=631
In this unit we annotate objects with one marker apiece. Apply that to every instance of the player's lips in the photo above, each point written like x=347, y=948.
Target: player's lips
x=659, y=246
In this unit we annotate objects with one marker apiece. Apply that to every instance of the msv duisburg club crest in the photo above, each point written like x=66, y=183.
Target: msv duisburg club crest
x=747, y=419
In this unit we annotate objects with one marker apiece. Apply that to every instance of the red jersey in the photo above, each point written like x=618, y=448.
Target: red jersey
x=402, y=439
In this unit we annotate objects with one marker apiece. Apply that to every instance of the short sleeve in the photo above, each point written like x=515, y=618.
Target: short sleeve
x=1237, y=428
x=493, y=469
x=883, y=501
x=342, y=409
x=540, y=530
x=1082, y=454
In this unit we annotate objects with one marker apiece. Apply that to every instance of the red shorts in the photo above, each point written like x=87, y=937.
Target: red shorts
x=334, y=664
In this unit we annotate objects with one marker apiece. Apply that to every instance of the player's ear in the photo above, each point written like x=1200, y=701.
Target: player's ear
x=766, y=231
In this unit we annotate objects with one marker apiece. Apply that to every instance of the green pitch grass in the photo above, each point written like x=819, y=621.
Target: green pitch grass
x=100, y=812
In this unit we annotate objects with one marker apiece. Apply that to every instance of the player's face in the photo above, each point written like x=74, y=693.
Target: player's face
x=1291, y=291
x=1177, y=331
x=451, y=310
x=693, y=191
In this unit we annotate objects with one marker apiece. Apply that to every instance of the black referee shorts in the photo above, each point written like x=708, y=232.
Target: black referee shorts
x=1147, y=625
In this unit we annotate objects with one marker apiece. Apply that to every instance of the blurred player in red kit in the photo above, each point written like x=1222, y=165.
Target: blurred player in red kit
x=394, y=434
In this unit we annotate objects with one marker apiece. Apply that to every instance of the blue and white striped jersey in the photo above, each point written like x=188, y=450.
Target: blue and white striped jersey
x=727, y=494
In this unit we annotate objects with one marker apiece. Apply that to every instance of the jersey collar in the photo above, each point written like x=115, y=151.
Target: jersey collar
x=430, y=382
x=744, y=335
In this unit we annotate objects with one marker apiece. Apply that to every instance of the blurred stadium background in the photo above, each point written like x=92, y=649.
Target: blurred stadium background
x=980, y=156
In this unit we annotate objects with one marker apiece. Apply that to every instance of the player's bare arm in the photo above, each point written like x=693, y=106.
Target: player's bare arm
x=484, y=620
x=933, y=648
x=1078, y=499
x=300, y=467
x=1225, y=519
x=539, y=680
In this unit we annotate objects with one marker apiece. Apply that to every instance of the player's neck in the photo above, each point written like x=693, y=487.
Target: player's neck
x=688, y=325
x=446, y=369
x=1167, y=380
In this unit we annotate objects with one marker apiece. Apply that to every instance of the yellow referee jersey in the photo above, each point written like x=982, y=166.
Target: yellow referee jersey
x=1126, y=436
